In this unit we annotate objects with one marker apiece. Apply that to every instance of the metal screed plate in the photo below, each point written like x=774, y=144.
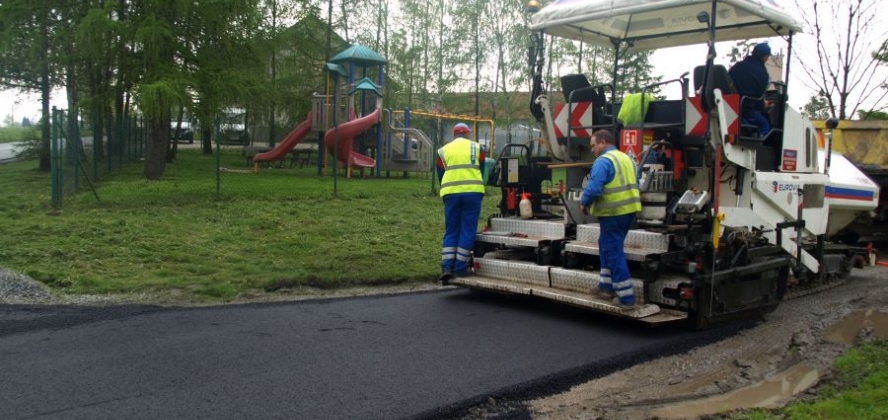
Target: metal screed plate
x=645, y=313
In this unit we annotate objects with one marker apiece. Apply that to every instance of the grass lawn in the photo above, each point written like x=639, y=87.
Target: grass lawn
x=281, y=228
x=17, y=134
x=858, y=390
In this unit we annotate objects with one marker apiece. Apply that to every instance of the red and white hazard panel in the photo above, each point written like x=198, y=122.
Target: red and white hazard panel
x=580, y=116
x=732, y=112
x=695, y=118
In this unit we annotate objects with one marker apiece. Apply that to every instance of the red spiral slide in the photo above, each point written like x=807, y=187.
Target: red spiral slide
x=346, y=132
x=287, y=144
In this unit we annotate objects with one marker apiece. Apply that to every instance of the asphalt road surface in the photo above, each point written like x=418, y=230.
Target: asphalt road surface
x=8, y=151
x=419, y=355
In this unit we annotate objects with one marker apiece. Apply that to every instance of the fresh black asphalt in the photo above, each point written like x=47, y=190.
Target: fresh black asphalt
x=418, y=355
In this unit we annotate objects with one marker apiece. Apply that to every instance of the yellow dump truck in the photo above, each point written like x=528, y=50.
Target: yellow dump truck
x=866, y=144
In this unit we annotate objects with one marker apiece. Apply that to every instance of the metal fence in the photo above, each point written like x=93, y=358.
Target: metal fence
x=396, y=153
x=80, y=161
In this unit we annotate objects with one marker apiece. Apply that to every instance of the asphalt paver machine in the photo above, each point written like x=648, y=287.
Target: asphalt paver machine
x=733, y=221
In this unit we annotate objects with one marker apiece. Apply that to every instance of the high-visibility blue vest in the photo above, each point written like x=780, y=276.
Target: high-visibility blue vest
x=462, y=167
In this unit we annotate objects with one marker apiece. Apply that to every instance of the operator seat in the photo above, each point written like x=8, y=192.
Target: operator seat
x=578, y=85
x=767, y=147
x=722, y=80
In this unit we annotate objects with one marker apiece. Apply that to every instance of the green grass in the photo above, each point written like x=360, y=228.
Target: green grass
x=281, y=228
x=18, y=134
x=859, y=391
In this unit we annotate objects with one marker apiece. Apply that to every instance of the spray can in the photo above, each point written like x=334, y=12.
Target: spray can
x=525, y=207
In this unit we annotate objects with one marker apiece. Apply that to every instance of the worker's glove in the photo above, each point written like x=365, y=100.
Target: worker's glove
x=584, y=210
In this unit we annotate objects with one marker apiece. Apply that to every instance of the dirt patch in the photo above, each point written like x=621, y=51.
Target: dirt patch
x=800, y=339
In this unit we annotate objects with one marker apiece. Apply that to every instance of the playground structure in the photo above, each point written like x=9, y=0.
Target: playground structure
x=488, y=143
x=352, y=125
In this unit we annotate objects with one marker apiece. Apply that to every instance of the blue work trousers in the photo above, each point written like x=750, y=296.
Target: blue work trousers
x=461, y=212
x=756, y=118
x=614, y=269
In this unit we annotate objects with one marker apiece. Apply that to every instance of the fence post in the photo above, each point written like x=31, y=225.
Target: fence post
x=55, y=160
x=218, y=161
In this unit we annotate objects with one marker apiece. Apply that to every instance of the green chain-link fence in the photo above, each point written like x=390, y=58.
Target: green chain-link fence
x=82, y=155
x=396, y=152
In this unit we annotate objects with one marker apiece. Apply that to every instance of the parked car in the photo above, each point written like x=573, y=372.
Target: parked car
x=233, y=128
x=184, y=134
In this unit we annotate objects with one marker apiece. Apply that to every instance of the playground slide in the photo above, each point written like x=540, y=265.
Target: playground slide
x=347, y=131
x=287, y=144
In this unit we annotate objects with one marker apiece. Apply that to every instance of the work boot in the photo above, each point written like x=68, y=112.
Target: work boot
x=604, y=290
x=445, y=278
x=625, y=302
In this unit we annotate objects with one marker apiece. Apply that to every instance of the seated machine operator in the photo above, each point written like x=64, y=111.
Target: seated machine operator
x=751, y=80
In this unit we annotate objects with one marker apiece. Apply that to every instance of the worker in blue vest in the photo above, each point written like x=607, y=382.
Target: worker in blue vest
x=460, y=166
x=613, y=189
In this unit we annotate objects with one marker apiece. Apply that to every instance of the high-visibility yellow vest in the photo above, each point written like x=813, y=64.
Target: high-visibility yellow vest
x=621, y=195
x=462, y=167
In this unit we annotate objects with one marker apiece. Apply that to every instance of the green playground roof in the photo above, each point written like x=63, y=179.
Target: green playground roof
x=337, y=69
x=359, y=54
x=367, y=85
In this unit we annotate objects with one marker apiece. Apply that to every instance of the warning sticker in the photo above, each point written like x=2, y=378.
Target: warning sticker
x=789, y=159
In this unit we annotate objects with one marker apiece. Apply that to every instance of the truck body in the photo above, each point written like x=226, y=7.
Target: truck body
x=864, y=143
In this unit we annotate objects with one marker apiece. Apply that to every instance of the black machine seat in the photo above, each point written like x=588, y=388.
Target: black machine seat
x=722, y=80
x=576, y=88
x=578, y=85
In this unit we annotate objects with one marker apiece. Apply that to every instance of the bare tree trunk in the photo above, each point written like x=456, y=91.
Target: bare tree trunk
x=477, y=50
x=206, y=140
x=155, y=153
x=73, y=129
x=271, y=122
x=46, y=133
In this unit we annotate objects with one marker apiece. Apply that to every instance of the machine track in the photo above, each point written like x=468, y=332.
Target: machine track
x=798, y=290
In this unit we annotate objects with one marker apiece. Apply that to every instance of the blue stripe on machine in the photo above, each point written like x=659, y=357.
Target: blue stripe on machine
x=848, y=193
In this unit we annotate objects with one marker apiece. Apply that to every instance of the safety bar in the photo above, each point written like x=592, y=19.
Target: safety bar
x=570, y=102
x=682, y=80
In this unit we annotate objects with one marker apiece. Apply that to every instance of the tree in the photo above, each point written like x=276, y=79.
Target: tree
x=882, y=53
x=872, y=115
x=27, y=62
x=846, y=70
x=817, y=107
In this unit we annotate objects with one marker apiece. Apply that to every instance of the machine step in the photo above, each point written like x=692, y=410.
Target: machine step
x=647, y=313
x=637, y=239
x=528, y=273
x=632, y=254
x=519, y=232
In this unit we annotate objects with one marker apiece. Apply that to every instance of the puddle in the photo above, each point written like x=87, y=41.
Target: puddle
x=775, y=391
x=767, y=394
x=846, y=330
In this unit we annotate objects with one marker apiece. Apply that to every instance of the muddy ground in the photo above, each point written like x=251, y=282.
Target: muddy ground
x=788, y=353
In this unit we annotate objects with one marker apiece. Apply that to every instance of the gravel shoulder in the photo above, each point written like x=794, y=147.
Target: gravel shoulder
x=19, y=289
x=797, y=334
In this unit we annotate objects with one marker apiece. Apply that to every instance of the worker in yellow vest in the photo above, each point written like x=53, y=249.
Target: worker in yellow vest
x=613, y=189
x=460, y=166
